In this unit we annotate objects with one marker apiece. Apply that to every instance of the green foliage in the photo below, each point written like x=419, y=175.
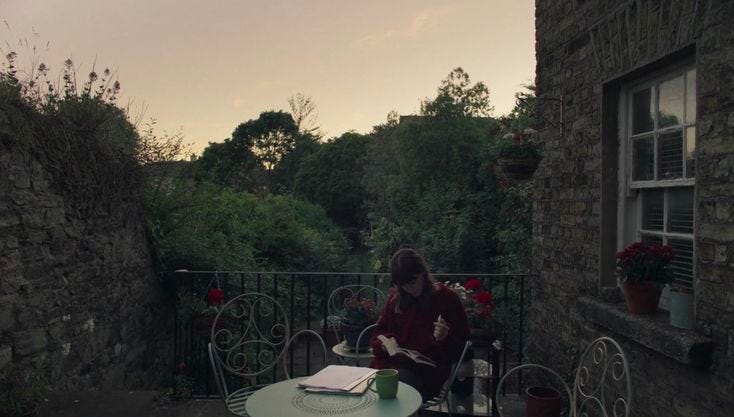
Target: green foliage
x=427, y=182
x=263, y=155
x=332, y=178
x=457, y=97
x=21, y=392
x=515, y=230
x=208, y=227
x=78, y=134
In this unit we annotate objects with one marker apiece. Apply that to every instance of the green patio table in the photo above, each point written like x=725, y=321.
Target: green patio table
x=284, y=398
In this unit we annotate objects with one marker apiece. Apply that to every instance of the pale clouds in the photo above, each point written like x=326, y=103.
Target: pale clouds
x=422, y=22
x=374, y=39
x=427, y=20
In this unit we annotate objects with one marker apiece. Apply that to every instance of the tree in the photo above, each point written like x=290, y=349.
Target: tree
x=256, y=158
x=457, y=97
x=270, y=136
x=332, y=178
x=427, y=181
x=303, y=110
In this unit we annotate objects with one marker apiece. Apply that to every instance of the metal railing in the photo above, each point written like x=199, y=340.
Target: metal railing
x=304, y=297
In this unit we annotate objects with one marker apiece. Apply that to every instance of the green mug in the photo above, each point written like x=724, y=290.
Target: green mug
x=386, y=381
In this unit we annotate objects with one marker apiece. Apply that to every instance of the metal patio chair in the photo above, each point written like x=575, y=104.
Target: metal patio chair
x=443, y=395
x=249, y=336
x=601, y=383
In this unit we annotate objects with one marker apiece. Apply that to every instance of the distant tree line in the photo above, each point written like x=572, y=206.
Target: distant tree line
x=275, y=195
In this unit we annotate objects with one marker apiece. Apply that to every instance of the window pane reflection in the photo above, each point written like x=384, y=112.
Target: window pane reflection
x=670, y=155
x=691, y=96
x=690, y=148
x=670, y=106
x=642, y=111
x=643, y=164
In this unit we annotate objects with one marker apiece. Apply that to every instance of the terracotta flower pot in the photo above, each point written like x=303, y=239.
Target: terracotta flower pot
x=643, y=297
x=542, y=402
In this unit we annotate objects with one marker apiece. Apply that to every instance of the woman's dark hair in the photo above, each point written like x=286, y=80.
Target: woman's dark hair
x=405, y=265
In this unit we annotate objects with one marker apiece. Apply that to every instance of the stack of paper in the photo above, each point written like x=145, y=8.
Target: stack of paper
x=339, y=379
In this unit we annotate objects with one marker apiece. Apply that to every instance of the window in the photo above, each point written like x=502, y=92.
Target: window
x=658, y=166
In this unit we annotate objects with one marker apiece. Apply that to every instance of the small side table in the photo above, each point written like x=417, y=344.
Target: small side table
x=343, y=353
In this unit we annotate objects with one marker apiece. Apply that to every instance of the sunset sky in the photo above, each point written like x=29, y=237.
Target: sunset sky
x=206, y=66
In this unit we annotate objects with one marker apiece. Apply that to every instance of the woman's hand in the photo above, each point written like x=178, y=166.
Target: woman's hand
x=440, y=329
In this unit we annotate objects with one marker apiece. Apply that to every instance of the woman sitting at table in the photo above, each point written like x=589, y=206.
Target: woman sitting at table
x=423, y=315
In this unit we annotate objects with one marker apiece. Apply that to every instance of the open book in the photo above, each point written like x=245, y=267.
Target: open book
x=393, y=348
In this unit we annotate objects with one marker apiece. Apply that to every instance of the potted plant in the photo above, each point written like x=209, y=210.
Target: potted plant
x=518, y=156
x=357, y=314
x=643, y=269
x=478, y=306
x=193, y=308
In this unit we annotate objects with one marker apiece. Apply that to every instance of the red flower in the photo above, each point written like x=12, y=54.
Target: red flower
x=472, y=284
x=484, y=297
x=215, y=297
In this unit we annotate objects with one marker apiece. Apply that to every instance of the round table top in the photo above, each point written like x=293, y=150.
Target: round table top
x=284, y=398
x=342, y=350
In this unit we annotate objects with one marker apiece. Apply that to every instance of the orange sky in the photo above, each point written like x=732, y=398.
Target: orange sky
x=206, y=66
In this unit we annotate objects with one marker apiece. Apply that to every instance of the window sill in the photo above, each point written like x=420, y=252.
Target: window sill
x=651, y=330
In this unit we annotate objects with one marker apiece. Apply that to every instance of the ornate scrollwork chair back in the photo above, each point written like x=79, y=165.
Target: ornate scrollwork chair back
x=249, y=335
x=304, y=335
x=335, y=303
x=602, y=382
x=601, y=386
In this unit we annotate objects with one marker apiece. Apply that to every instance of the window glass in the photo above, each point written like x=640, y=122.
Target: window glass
x=670, y=155
x=680, y=217
x=691, y=96
x=650, y=239
x=642, y=111
x=670, y=104
x=643, y=163
x=690, y=148
x=682, y=263
x=652, y=210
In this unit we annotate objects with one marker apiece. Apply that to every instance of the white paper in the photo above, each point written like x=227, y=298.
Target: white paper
x=338, y=377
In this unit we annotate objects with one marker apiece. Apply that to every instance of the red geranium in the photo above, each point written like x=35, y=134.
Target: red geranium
x=484, y=297
x=472, y=284
x=640, y=261
x=215, y=297
x=477, y=302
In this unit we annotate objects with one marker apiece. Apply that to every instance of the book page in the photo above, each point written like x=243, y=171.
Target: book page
x=393, y=348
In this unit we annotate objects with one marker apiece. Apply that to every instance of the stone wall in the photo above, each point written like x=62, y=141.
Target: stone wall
x=79, y=302
x=584, y=49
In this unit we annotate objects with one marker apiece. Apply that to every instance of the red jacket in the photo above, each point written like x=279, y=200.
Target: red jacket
x=413, y=329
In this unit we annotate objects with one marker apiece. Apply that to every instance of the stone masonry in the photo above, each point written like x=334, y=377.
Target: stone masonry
x=584, y=49
x=79, y=301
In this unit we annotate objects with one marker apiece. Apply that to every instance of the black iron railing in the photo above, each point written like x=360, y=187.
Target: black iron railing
x=304, y=296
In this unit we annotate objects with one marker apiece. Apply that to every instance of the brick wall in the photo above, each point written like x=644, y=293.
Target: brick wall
x=79, y=302
x=583, y=47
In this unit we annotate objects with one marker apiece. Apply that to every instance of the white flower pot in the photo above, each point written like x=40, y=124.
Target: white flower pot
x=681, y=309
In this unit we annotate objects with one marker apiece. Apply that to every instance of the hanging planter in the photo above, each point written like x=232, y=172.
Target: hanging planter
x=518, y=168
x=518, y=156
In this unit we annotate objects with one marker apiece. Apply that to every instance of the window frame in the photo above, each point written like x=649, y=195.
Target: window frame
x=652, y=82
x=630, y=201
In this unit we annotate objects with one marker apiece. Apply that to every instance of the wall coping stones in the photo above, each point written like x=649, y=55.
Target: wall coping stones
x=650, y=330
